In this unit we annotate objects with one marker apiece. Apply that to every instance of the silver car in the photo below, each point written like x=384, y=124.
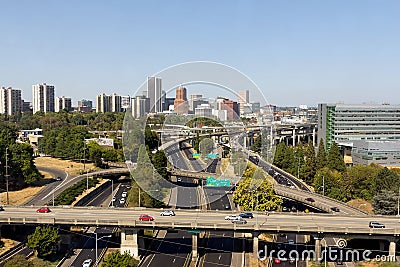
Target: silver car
x=167, y=213
x=239, y=220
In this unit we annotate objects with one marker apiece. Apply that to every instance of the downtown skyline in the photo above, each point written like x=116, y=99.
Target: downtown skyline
x=301, y=53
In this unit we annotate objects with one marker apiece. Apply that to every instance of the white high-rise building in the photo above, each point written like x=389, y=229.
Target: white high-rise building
x=103, y=103
x=125, y=102
x=243, y=96
x=140, y=106
x=63, y=103
x=10, y=100
x=43, y=98
x=115, y=103
x=154, y=92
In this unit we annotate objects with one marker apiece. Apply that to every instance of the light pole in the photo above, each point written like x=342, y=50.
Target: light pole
x=398, y=203
x=97, y=239
x=112, y=191
x=298, y=168
x=7, y=175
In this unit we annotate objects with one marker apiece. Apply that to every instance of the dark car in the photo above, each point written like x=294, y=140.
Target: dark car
x=336, y=209
x=1, y=208
x=246, y=215
x=43, y=210
x=376, y=225
x=310, y=199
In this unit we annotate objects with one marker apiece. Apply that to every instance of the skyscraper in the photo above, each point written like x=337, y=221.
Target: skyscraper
x=115, y=103
x=103, y=103
x=140, y=106
x=154, y=92
x=181, y=104
x=63, y=103
x=43, y=98
x=243, y=100
x=10, y=100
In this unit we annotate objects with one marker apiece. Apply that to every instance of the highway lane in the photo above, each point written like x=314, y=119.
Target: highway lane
x=174, y=248
x=218, y=245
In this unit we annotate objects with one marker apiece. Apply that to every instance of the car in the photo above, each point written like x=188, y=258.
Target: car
x=227, y=206
x=285, y=209
x=277, y=261
x=167, y=213
x=291, y=242
x=232, y=217
x=310, y=199
x=239, y=220
x=179, y=179
x=145, y=217
x=114, y=199
x=246, y=215
x=122, y=201
x=336, y=209
x=124, y=194
x=43, y=210
x=376, y=225
x=87, y=263
x=292, y=261
x=58, y=178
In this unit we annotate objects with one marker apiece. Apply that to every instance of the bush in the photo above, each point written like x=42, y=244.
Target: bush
x=68, y=196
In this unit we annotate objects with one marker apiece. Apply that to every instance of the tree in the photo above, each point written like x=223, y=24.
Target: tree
x=44, y=241
x=321, y=156
x=330, y=181
x=335, y=160
x=95, y=153
x=206, y=146
x=116, y=259
x=385, y=202
x=279, y=154
x=310, y=165
x=359, y=181
x=18, y=261
x=386, y=180
x=288, y=163
x=160, y=163
x=256, y=147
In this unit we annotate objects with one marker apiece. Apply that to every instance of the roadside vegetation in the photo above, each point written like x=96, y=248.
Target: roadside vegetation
x=68, y=196
x=116, y=259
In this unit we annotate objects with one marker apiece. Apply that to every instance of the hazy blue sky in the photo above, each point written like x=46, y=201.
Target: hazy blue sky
x=297, y=52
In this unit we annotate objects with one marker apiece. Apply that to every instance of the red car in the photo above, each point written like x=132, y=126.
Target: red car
x=277, y=261
x=43, y=210
x=145, y=217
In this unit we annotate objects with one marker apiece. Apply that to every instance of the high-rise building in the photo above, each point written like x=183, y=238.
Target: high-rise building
x=181, y=104
x=344, y=124
x=203, y=110
x=63, y=103
x=231, y=107
x=243, y=96
x=85, y=105
x=43, y=98
x=26, y=106
x=125, y=102
x=115, y=103
x=154, y=92
x=103, y=103
x=140, y=106
x=10, y=101
x=192, y=99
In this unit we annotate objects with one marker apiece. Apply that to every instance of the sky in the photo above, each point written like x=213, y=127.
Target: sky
x=296, y=52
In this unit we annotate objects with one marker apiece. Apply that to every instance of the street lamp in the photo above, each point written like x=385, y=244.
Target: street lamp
x=7, y=175
x=97, y=239
x=398, y=203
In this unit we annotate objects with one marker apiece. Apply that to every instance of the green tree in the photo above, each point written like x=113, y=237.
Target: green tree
x=206, y=146
x=310, y=164
x=151, y=138
x=160, y=163
x=288, y=163
x=385, y=202
x=256, y=147
x=116, y=259
x=359, y=181
x=18, y=261
x=386, y=180
x=95, y=153
x=330, y=181
x=335, y=160
x=321, y=156
x=44, y=241
x=280, y=154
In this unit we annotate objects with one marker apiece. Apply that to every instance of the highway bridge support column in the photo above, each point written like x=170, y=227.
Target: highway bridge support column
x=194, y=247
x=318, y=248
x=392, y=250
x=255, y=245
x=129, y=241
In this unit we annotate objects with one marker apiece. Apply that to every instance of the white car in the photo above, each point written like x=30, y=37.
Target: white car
x=232, y=217
x=124, y=194
x=167, y=213
x=122, y=201
x=87, y=263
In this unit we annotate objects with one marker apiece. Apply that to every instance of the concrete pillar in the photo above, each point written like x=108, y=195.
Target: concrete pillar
x=255, y=245
x=194, y=247
x=294, y=136
x=129, y=241
x=318, y=248
x=314, y=137
x=392, y=251
x=381, y=245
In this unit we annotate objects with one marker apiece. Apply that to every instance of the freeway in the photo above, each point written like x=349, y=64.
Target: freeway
x=301, y=223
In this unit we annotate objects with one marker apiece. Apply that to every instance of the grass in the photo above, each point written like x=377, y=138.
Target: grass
x=20, y=197
x=84, y=193
x=362, y=205
x=7, y=244
x=72, y=167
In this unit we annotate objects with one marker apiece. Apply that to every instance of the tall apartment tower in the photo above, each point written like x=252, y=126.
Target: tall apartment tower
x=243, y=100
x=63, y=103
x=103, y=103
x=10, y=101
x=154, y=92
x=140, y=106
x=181, y=104
x=85, y=105
x=116, y=103
x=43, y=98
x=192, y=99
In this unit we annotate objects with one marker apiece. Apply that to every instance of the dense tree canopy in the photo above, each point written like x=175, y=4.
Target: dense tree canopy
x=44, y=241
x=116, y=259
x=335, y=160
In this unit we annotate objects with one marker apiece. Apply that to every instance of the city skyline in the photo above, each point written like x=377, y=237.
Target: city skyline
x=310, y=53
